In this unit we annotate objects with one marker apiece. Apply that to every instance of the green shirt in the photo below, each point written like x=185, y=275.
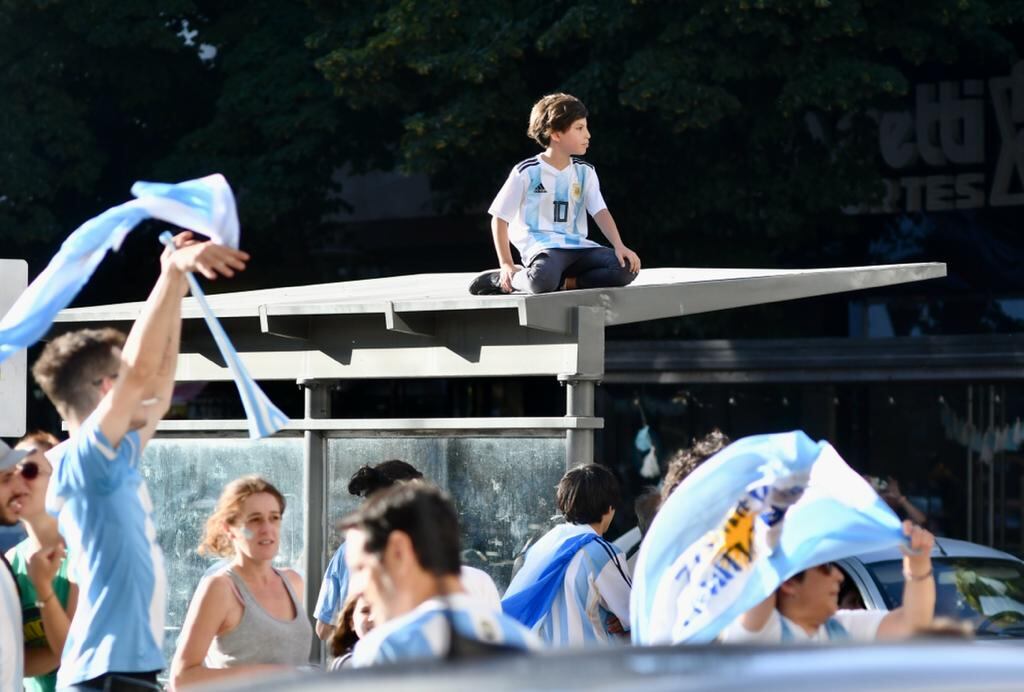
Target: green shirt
x=32, y=618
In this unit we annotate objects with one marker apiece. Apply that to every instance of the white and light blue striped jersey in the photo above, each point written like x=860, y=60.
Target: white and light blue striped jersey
x=547, y=208
x=105, y=515
x=596, y=586
x=424, y=632
x=334, y=589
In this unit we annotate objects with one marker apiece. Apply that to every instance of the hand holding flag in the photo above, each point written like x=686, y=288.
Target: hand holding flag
x=210, y=259
x=755, y=514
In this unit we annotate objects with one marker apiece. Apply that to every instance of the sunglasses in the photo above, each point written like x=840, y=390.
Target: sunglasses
x=29, y=470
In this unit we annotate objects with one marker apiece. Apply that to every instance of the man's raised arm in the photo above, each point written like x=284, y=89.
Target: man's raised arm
x=150, y=353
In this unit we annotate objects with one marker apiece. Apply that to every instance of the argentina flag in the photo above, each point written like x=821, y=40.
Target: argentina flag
x=206, y=205
x=755, y=514
x=264, y=418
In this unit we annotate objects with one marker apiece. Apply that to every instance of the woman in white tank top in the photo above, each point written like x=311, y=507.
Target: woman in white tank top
x=246, y=618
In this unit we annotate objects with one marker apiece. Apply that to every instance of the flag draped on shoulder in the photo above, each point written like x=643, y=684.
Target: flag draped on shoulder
x=755, y=514
x=530, y=602
x=205, y=205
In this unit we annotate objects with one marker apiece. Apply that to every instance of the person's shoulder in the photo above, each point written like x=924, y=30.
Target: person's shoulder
x=860, y=625
x=581, y=162
x=860, y=614
x=90, y=440
x=293, y=577
x=215, y=585
x=394, y=635
x=603, y=549
x=524, y=165
x=337, y=560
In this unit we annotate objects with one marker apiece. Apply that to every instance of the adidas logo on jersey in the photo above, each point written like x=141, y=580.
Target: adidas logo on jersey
x=539, y=189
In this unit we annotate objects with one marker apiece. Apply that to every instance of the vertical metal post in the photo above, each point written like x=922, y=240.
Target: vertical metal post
x=970, y=464
x=1002, y=471
x=992, y=469
x=581, y=381
x=314, y=480
x=579, y=401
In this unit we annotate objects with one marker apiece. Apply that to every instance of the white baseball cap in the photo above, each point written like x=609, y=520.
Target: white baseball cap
x=9, y=458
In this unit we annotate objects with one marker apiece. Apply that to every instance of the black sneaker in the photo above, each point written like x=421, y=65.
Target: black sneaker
x=486, y=283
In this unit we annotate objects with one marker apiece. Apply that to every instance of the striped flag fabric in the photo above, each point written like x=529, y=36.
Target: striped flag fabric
x=760, y=511
x=206, y=205
x=263, y=416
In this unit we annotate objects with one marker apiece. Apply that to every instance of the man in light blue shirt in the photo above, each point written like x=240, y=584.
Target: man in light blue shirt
x=403, y=558
x=112, y=391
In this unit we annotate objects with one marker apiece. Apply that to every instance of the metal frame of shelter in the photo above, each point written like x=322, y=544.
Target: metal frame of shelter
x=427, y=325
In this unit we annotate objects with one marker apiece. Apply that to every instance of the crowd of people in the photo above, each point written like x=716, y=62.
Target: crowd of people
x=84, y=596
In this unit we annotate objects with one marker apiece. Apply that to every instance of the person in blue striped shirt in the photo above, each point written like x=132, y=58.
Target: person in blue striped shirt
x=542, y=209
x=403, y=559
x=112, y=391
x=573, y=589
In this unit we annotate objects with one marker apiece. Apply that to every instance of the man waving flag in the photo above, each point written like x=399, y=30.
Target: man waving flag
x=755, y=514
x=206, y=205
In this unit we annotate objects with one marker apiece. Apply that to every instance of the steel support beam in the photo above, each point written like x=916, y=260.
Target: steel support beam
x=317, y=396
x=580, y=382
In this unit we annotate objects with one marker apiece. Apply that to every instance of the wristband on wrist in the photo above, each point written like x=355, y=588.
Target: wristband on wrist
x=42, y=602
x=913, y=577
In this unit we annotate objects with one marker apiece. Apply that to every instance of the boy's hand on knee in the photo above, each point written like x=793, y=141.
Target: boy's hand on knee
x=507, y=272
x=627, y=258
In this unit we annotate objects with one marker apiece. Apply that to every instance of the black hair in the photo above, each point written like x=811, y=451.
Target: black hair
x=585, y=494
x=369, y=479
x=421, y=511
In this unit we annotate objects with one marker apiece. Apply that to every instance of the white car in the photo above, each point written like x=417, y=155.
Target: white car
x=974, y=583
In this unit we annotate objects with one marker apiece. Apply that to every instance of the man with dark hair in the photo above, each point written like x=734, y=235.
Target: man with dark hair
x=13, y=492
x=573, y=589
x=112, y=392
x=806, y=606
x=403, y=556
x=334, y=590
x=687, y=460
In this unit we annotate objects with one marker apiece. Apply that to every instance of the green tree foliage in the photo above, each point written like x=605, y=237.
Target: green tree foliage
x=700, y=109
x=102, y=93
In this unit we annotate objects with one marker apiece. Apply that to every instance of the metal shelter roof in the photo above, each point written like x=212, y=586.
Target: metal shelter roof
x=427, y=325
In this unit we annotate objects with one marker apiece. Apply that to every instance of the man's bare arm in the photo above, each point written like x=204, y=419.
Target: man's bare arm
x=152, y=344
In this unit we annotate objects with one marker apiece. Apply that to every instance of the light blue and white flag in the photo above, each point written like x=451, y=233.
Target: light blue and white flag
x=529, y=602
x=205, y=205
x=263, y=417
x=758, y=512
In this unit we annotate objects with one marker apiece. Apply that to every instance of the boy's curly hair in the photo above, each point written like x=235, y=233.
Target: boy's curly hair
x=554, y=113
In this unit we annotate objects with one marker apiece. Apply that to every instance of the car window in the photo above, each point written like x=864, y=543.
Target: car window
x=989, y=593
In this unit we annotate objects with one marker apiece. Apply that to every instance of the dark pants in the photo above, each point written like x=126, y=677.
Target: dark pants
x=120, y=682
x=593, y=267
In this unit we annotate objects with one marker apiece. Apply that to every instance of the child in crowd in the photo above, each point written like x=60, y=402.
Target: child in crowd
x=573, y=589
x=542, y=209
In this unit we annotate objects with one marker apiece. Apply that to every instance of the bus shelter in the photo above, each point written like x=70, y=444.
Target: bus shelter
x=501, y=471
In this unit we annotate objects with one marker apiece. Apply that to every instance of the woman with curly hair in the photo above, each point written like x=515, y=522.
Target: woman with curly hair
x=247, y=617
